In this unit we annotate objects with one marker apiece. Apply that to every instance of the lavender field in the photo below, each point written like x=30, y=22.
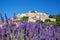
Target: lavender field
x=23, y=30
x=28, y=31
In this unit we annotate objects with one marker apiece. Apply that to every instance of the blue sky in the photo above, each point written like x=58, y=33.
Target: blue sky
x=19, y=6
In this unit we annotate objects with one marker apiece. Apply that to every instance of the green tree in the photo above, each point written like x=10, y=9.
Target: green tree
x=33, y=12
x=57, y=18
x=39, y=21
x=47, y=20
x=25, y=18
x=51, y=16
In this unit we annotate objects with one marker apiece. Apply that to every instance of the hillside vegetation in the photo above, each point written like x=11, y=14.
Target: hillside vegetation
x=57, y=23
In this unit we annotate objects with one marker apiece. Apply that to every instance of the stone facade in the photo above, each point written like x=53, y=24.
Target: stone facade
x=33, y=16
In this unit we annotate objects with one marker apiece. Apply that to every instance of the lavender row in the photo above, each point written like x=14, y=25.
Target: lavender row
x=29, y=31
x=24, y=30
